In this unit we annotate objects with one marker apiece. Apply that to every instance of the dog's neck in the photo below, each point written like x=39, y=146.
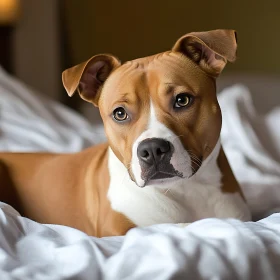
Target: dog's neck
x=173, y=200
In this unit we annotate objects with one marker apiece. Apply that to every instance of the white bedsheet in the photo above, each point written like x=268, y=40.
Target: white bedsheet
x=207, y=249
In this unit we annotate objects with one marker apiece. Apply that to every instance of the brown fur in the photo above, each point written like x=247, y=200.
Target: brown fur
x=62, y=189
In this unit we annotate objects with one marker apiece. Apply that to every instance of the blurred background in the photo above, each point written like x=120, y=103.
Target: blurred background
x=39, y=39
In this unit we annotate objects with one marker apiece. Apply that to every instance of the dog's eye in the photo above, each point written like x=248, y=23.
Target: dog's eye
x=183, y=100
x=120, y=114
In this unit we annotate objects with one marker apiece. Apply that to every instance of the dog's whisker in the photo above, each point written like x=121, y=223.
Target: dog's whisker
x=197, y=161
x=194, y=157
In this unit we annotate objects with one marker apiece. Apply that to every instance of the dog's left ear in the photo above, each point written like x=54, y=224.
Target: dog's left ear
x=210, y=50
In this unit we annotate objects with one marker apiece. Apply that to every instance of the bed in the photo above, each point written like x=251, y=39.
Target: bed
x=206, y=249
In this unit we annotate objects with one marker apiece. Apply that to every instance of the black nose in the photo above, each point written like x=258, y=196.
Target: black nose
x=153, y=150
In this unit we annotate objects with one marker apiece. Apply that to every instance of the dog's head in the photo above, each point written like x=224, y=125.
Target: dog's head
x=160, y=113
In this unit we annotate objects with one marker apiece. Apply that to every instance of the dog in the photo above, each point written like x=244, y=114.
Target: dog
x=163, y=162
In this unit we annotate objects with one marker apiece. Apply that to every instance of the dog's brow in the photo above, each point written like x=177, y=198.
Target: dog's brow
x=124, y=95
x=171, y=86
x=123, y=98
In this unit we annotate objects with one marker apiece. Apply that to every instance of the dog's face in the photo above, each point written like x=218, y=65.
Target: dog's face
x=160, y=113
x=161, y=117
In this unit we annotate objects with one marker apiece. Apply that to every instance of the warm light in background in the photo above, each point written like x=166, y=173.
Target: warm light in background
x=9, y=11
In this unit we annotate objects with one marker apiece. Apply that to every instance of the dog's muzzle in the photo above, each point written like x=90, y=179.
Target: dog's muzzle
x=154, y=156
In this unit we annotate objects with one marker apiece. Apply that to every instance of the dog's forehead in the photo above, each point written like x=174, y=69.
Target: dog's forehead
x=147, y=75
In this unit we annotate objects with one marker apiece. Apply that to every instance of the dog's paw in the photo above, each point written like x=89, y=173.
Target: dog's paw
x=183, y=225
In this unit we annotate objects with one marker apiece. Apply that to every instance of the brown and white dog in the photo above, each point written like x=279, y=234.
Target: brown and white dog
x=163, y=162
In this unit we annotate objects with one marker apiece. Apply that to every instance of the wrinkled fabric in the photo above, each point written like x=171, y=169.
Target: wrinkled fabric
x=31, y=122
x=252, y=145
x=207, y=249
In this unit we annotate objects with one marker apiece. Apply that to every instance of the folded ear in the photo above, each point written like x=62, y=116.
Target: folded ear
x=88, y=77
x=210, y=50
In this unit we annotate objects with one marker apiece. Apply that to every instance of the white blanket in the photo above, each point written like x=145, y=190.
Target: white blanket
x=252, y=144
x=207, y=249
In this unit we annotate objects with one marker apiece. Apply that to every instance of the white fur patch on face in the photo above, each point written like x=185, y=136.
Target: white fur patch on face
x=180, y=159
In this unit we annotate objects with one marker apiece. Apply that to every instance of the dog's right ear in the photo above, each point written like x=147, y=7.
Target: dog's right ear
x=88, y=77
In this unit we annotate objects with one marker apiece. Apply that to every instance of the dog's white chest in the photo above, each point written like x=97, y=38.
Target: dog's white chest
x=181, y=203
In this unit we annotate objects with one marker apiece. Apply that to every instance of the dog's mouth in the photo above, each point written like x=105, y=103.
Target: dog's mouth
x=159, y=174
x=161, y=177
x=157, y=177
